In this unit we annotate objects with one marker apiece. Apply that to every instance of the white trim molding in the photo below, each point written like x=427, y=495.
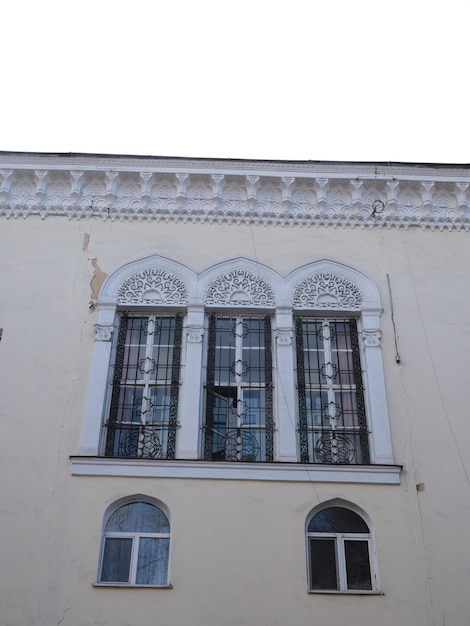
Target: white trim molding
x=281, y=193
x=288, y=472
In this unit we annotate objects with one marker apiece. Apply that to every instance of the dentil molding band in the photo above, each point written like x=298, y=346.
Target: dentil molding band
x=241, y=192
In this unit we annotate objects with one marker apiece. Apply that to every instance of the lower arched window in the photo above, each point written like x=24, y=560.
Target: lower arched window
x=136, y=545
x=339, y=549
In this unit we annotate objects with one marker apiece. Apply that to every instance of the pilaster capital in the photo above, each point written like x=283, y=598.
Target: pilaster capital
x=284, y=337
x=103, y=332
x=372, y=338
x=194, y=334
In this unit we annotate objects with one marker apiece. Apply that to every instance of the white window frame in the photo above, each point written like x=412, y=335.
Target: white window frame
x=340, y=555
x=135, y=536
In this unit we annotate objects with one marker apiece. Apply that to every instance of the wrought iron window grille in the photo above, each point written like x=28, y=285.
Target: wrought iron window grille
x=239, y=424
x=143, y=413
x=332, y=423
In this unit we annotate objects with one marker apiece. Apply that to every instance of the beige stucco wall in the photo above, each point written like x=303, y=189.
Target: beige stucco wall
x=238, y=551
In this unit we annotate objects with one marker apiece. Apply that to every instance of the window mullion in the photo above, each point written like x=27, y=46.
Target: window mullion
x=329, y=373
x=341, y=563
x=148, y=378
x=134, y=559
x=239, y=336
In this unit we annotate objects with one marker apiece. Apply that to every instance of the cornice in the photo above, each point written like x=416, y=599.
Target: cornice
x=364, y=195
x=288, y=472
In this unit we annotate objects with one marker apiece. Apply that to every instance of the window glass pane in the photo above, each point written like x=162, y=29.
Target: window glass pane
x=314, y=367
x=130, y=404
x=313, y=335
x=225, y=405
x=137, y=330
x=337, y=520
x=158, y=407
x=134, y=363
x=253, y=333
x=138, y=517
x=162, y=363
x=340, y=338
x=116, y=560
x=315, y=402
x=323, y=564
x=357, y=564
x=253, y=407
x=344, y=368
x=224, y=364
x=252, y=368
x=164, y=333
x=152, y=562
x=346, y=400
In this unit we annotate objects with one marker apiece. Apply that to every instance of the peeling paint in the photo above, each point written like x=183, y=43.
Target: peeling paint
x=86, y=241
x=97, y=280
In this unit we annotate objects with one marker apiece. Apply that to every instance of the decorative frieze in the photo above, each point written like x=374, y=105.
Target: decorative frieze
x=153, y=286
x=240, y=288
x=276, y=193
x=327, y=291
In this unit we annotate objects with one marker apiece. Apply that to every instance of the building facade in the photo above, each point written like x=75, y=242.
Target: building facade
x=233, y=392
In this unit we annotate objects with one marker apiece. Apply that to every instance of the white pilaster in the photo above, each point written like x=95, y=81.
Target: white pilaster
x=190, y=393
x=98, y=381
x=381, y=440
x=284, y=387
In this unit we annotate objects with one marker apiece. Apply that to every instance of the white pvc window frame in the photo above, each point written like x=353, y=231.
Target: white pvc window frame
x=135, y=538
x=340, y=555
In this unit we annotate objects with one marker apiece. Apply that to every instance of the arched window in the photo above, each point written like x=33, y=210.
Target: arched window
x=238, y=363
x=136, y=545
x=339, y=550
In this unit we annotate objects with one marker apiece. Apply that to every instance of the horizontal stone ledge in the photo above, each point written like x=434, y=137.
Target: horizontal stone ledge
x=217, y=470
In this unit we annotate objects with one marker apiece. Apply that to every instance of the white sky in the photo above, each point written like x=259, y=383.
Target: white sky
x=357, y=80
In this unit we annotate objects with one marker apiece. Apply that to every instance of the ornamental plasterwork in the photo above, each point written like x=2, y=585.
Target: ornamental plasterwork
x=327, y=291
x=371, y=338
x=231, y=192
x=284, y=337
x=194, y=334
x=240, y=288
x=103, y=333
x=153, y=286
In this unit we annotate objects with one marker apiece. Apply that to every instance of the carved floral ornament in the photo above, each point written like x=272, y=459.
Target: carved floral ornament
x=240, y=288
x=303, y=195
x=326, y=290
x=153, y=286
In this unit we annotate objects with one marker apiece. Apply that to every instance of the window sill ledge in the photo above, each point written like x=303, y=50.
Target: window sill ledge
x=129, y=586
x=348, y=592
x=289, y=472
